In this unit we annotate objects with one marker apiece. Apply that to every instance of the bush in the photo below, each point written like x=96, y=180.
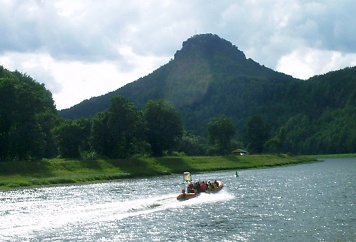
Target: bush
x=89, y=155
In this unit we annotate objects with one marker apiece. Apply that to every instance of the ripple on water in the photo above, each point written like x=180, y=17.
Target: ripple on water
x=309, y=202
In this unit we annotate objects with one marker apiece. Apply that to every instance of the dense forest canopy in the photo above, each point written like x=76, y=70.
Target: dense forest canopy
x=209, y=76
x=209, y=99
x=27, y=117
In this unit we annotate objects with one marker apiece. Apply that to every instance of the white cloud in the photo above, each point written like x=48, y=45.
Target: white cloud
x=306, y=62
x=86, y=48
x=72, y=81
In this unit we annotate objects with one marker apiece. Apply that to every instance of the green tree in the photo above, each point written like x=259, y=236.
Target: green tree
x=100, y=134
x=164, y=126
x=118, y=132
x=126, y=125
x=68, y=137
x=192, y=145
x=27, y=115
x=85, y=125
x=221, y=131
x=7, y=114
x=257, y=134
x=47, y=120
x=277, y=142
x=72, y=137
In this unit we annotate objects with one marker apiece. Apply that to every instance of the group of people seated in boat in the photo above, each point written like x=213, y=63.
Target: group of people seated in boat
x=203, y=186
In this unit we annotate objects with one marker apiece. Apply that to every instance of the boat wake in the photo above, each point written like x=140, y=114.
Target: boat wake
x=82, y=215
x=154, y=204
x=131, y=208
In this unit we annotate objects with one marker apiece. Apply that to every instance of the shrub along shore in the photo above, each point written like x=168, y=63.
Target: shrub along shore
x=63, y=171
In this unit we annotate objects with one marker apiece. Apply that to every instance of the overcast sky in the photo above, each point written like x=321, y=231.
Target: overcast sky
x=85, y=48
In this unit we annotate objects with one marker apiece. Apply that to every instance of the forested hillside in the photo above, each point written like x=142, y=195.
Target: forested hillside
x=206, y=65
x=326, y=114
x=31, y=129
x=210, y=76
x=208, y=100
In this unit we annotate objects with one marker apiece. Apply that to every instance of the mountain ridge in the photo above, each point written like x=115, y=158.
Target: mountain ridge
x=202, y=60
x=209, y=76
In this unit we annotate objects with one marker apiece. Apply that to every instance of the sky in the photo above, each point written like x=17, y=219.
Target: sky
x=85, y=48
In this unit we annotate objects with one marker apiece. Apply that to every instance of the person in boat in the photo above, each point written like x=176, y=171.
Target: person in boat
x=190, y=188
x=197, y=187
x=203, y=186
x=214, y=186
x=210, y=186
x=216, y=183
x=183, y=193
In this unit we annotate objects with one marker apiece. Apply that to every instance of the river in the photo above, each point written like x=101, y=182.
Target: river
x=308, y=202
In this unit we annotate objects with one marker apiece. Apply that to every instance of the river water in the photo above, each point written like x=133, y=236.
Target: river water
x=309, y=202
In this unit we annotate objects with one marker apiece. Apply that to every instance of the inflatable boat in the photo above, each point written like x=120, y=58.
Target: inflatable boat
x=196, y=192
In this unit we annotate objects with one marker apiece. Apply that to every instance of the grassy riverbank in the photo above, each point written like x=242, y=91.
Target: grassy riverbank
x=62, y=171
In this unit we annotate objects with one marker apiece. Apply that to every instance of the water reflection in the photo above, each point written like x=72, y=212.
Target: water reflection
x=298, y=203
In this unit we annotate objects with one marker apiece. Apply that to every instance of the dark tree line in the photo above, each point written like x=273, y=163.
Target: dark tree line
x=30, y=127
x=209, y=76
x=122, y=131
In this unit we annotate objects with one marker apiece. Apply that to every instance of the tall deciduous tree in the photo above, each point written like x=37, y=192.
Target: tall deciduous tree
x=221, y=131
x=118, y=132
x=192, y=145
x=27, y=115
x=278, y=141
x=100, y=134
x=68, y=138
x=72, y=137
x=164, y=126
x=126, y=125
x=257, y=134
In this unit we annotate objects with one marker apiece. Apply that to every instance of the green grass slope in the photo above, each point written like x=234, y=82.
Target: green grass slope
x=62, y=171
